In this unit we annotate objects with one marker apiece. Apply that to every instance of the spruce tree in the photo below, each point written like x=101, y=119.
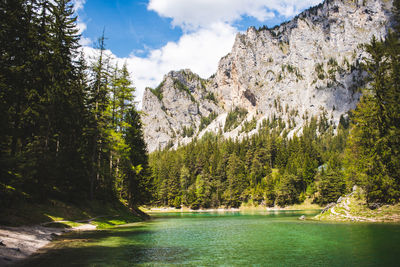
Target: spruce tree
x=139, y=187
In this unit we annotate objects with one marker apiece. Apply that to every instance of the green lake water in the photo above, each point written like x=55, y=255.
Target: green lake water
x=274, y=238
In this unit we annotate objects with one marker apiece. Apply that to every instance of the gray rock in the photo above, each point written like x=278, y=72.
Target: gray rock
x=302, y=217
x=53, y=235
x=193, y=109
x=330, y=205
x=374, y=206
x=299, y=69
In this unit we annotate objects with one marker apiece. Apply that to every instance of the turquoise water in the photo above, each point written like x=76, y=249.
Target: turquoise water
x=229, y=239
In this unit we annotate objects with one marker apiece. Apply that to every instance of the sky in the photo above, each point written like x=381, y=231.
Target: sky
x=154, y=37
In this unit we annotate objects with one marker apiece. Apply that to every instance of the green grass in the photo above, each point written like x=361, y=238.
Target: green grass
x=111, y=221
x=69, y=215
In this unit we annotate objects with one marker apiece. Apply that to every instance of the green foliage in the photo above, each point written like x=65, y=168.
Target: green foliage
x=234, y=118
x=292, y=70
x=210, y=96
x=248, y=126
x=331, y=186
x=205, y=121
x=319, y=69
x=288, y=191
x=329, y=181
x=271, y=169
x=183, y=88
x=158, y=91
x=65, y=126
x=266, y=168
x=373, y=151
x=236, y=181
x=187, y=131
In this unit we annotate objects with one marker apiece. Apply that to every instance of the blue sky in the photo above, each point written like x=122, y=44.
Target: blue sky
x=131, y=28
x=156, y=36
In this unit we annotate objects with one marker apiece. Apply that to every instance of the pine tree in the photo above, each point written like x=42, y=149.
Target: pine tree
x=373, y=150
x=236, y=181
x=97, y=104
x=136, y=165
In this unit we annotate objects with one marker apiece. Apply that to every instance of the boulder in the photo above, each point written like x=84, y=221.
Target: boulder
x=374, y=206
x=330, y=205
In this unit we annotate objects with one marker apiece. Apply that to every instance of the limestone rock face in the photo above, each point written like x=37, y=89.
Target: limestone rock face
x=309, y=66
x=172, y=112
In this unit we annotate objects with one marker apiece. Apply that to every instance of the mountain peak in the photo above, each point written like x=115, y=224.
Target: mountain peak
x=303, y=68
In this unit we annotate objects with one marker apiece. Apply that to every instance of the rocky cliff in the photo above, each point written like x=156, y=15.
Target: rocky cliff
x=309, y=66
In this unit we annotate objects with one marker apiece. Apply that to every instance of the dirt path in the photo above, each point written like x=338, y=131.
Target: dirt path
x=86, y=226
x=18, y=243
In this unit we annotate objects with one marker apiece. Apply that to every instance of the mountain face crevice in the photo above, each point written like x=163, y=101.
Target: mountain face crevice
x=309, y=66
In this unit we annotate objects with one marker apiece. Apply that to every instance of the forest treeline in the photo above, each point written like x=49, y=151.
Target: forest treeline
x=323, y=162
x=267, y=168
x=69, y=130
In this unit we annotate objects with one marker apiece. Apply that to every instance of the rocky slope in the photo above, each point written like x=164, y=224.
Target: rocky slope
x=309, y=66
x=353, y=207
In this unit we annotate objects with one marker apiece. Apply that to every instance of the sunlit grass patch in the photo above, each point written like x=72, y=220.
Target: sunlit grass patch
x=111, y=221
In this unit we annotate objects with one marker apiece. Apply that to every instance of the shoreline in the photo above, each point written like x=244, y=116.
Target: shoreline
x=19, y=243
x=185, y=209
x=306, y=205
x=28, y=227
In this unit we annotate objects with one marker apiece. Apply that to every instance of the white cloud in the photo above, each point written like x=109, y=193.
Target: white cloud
x=81, y=25
x=190, y=15
x=199, y=51
x=78, y=4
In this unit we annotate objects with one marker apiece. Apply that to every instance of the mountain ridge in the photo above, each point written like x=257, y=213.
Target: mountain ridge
x=306, y=67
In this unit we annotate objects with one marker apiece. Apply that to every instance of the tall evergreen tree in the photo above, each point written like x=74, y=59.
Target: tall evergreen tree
x=136, y=164
x=373, y=151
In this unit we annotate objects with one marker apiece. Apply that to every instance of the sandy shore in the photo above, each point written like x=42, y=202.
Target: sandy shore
x=185, y=209
x=242, y=208
x=18, y=243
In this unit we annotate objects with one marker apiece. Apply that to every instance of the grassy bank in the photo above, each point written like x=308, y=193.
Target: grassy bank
x=55, y=213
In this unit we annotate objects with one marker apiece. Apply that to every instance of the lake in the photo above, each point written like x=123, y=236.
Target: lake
x=274, y=238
